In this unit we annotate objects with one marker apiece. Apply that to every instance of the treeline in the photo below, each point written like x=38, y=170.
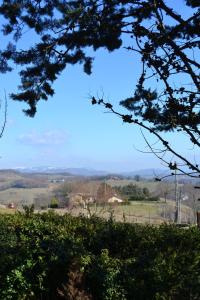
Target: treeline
x=46, y=256
x=24, y=184
x=132, y=192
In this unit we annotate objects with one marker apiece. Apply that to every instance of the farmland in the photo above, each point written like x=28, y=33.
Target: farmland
x=137, y=212
x=95, y=251
x=26, y=189
x=21, y=196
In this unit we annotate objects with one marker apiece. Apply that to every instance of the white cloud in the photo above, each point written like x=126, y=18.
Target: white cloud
x=46, y=138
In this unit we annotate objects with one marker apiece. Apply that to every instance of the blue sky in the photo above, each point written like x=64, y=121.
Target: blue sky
x=68, y=131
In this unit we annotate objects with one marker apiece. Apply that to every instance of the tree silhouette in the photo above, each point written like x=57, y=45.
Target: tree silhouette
x=167, y=95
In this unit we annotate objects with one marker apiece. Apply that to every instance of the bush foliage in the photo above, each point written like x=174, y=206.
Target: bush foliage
x=46, y=256
x=132, y=192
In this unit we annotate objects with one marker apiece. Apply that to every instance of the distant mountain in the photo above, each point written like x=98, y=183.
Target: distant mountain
x=86, y=172
x=144, y=173
x=42, y=169
x=58, y=170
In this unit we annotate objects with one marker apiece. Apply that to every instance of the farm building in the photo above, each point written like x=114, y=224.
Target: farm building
x=81, y=198
x=115, y=199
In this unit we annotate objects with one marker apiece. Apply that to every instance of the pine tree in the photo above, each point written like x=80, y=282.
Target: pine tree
x=167, y=94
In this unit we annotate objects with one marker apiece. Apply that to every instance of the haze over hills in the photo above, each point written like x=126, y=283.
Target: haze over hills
x=58, y=170
x=145, y=173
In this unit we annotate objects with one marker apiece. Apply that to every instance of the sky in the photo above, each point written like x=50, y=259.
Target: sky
x=67, y=131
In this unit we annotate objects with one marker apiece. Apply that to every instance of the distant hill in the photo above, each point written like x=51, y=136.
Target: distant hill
x=8, y=171
x=92, y=174
x=66, y=171
x=43, y=170
x=146, y=173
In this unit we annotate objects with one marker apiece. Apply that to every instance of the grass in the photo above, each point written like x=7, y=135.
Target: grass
x=136, y=212
x=21, y=196
x=7, y=211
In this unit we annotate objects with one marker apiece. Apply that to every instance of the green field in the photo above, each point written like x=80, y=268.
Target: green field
x=136, y=212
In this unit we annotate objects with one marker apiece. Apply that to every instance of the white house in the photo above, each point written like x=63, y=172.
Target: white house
x=114, y=199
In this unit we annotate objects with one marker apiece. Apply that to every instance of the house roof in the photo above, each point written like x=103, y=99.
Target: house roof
x=115, y=199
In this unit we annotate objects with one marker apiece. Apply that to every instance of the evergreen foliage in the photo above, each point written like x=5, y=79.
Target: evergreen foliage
x=168, y=45
x=54, y=203
x=46, y=256
x=133, y=192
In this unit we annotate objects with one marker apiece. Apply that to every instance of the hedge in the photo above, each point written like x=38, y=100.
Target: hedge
x=46, y=256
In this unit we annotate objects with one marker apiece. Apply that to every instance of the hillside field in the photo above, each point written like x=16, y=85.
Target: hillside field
x=24, y=189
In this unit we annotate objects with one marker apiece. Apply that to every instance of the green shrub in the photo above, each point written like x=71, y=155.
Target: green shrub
x=46, y=256
x=54, y=203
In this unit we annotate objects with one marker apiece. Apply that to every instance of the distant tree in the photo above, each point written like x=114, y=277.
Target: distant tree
x=166, y=190
x=146, y=192
x=137, y=178
x=77, y=186
x=41, y=201
x=104, y=192
x=28, y=183
x=54, y=203
x=166, y=97
x=62, y=196
x=132, y=192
